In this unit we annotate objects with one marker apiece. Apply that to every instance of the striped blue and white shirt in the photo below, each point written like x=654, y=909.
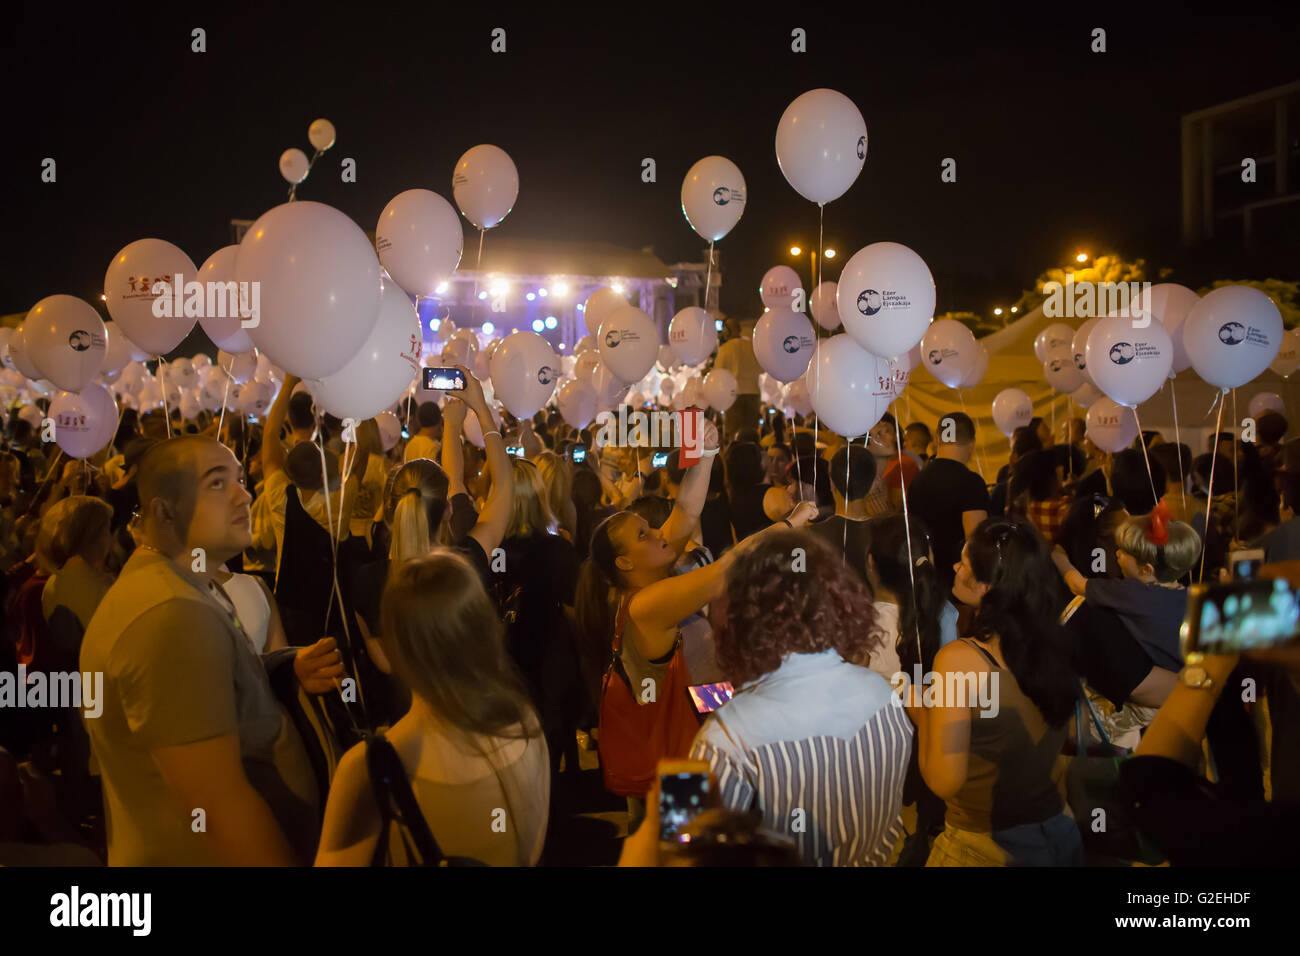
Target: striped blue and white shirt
x=821, y=747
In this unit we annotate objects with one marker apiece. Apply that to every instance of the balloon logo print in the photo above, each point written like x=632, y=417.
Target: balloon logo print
x=935, y=357
x=862, y=147
x=79, y=341
x=546, y=375
x=1230, y=333
x=791, y=344
x=722, y=195
x=869, y=302
x=1121, y=353
x=612, y=338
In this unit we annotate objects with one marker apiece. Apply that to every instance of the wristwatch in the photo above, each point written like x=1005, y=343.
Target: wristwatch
x=1194, y=675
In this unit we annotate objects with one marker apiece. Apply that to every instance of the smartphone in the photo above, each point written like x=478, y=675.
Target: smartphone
x=1246, y=564
x=447, y=379
x=683, y=793
x=516, y=450
x=406, y=432
x=579, y=455
x=706, y=698
x=659, y=459
x=1243, y=615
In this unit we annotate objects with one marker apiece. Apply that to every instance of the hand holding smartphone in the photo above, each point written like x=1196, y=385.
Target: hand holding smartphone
x=685, y=790
x=444, y=378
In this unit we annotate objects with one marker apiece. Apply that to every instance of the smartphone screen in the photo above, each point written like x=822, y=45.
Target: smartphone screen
x=447, y=379
x=707, y=698
x=682, y=795
x=1242, y=616
x=1246, y=564
x=659, y=459
x=516, y=450
x=579, y=455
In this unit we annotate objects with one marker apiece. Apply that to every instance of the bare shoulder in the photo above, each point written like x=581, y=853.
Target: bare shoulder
x=959, y=656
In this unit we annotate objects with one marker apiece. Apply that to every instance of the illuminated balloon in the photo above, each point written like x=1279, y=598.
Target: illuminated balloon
x=485, y=185
x=1012, y=409
x=64, y=337
x=1129, y=364
x=1110, y=426
x=885, y=298
x=821, y=144
x=420, y=240
x=713, y=197
x=129, y=294
x=1232, y=335
x=692, y=335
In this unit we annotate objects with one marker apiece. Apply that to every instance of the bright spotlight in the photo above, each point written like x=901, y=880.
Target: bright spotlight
x=542, y=292
x=537, y=325
x=442, y=287
x=529, y=296
x=482, y=295
x=551, y=322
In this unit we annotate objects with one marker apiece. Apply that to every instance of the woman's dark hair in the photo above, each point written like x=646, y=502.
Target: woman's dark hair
x=1257, y=496
x=1024, y=440
x=1222, y=473
x=1092, y=523
x=447, y=644
x=1131, y=483
x=911, y=577
x=128, y=429
x=773, y=611
x=593, y=605
x=586, y=501
x=1021, y=609
x=1035, y=475
x=1174, y=458
x=813, y=471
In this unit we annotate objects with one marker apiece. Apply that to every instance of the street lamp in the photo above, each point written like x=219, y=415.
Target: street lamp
x=997, y=311
x=795, y=250
x=1081, y=257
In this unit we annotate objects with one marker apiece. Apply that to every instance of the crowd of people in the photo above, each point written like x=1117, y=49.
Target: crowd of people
x=316, y=647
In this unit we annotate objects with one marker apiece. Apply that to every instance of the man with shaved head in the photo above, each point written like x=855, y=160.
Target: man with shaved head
x=200, y=765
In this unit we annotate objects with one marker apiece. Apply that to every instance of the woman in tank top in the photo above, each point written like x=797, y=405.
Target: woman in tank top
x=992, y=719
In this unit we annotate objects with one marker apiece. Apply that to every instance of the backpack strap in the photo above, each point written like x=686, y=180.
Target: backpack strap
x=983, y=653
x=392, y=788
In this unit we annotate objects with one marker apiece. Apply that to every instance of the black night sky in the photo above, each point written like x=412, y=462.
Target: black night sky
x=1057, y=148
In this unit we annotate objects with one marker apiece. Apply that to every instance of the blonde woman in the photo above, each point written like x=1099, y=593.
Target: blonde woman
x=470, y=746
x=559, y=492
x=537, y=582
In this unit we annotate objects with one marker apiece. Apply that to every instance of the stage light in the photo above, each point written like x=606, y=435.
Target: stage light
x=582, y=307
x=560, y=288
x=488, y=328
x=529, y=296
x=542, y=292
x=433, y=324
x=618, y=287
x=537, y=325
x=500, y=286
x=551, y=322
x=563, y=346
x=442, y=287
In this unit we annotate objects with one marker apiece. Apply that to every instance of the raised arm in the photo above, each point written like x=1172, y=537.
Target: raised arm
x=273, y=453
x=493, y=520
x=1076, y=582
x=453, y=452
x=657, y=609
x=685, y=516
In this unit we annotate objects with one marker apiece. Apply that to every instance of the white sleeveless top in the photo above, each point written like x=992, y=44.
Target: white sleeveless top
x=251, y=606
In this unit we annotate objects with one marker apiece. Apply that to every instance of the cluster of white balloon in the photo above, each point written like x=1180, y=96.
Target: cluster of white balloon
x=1112, y=364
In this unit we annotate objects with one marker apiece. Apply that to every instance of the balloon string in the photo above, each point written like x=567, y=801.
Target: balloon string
x=1236, y=512
x=1178, y=441
x=794, y=443
x=979, y=460
x=907, y=531
x=1209, y=492
x=1146, y=457
x=36, y=496
x=708, y=278
x=221, y=421
x=167, y=415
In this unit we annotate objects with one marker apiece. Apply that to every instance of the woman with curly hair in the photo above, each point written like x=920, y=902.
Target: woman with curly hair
x=996, y=759
x=813, y=738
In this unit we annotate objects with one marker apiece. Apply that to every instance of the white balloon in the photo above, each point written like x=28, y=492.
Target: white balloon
x=379, y=374
x=825, y=309
x=713, y=197
x=885, y=298
x=294, y=165
x=1169, y=303
x=1110, y=426
x=797, y=398
x=1052, y=337
x=585, y=366
x=1266, y=402
x=599, y=305
x=485, y=185
x=482, y=368
x=128, y=293
x=1012, y=409
x=82, y=423
x=950, y=351
x=180, y=373
x=577, y=403
x=587, y=342
x=629, y=343
x=1288, y=356
x=667, y=358
x=524, y=372
x=1060, y=371
x=1085, y=395
x=321, y=134
x=190, y=406
x=117, y=352
x=720, y=389
x=390, y=429
x=419, y=239
x=850, y=388
x=320, y=287
x=1129, y=364
x=821, y=144
x=256, y=397
x=1079, y=345
x=692, y=335
x=223, y=323
x=1232, y=335
x=242, y=368
x=64, y=338
x=779, y=287
x=979, y=366
x=784, y=342
x=609, y=388
x=474, y=429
